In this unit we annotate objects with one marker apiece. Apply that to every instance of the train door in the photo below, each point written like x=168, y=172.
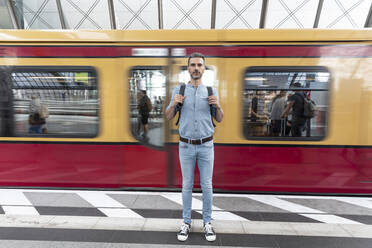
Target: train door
x=6, y=116
x=178, y=75
x=364, y=156
x=145, y=156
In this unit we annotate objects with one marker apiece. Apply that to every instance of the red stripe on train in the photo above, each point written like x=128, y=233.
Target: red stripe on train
x=237, y=168
x=213, y=51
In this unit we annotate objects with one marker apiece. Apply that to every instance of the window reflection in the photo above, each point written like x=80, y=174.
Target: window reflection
x=55, y=103
x=274, y=102
x=147, y=94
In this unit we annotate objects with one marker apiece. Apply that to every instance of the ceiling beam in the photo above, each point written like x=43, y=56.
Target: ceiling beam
x=265, y=4
x=368, y=23
x=318, y=12
x=12, y=12
x=112, y=14
x=160, y=14
x=60, y=13
x=213, y=14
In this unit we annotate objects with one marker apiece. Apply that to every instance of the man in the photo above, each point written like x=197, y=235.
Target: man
x=144, y=109
x=277, y=108
x=296, y=104
x=196, y=142
x=258, y=105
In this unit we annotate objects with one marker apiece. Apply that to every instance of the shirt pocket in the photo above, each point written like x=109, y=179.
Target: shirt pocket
x=203, y=98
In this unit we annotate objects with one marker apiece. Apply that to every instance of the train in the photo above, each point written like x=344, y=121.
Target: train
x=89, y=79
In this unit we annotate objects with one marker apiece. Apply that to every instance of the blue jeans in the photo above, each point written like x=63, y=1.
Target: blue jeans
x=204, y=155
x=35, y=129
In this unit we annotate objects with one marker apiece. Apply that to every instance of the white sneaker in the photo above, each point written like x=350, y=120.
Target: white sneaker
x=183, y=234
x=209, y=233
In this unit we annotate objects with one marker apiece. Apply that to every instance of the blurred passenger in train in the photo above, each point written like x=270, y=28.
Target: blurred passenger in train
x=277, y=108
x=160, y=102
x=246, y=105
x=35, y=121
x=296, y=107
x=44, y=114
x=258, y=106
x=144, y=108
x=158, y=105
x=196, y=141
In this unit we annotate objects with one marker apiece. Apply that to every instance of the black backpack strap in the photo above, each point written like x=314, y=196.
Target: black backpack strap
x=213, y=109
x=179, y=105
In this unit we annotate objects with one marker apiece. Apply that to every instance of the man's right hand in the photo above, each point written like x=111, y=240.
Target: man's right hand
x=178, y=99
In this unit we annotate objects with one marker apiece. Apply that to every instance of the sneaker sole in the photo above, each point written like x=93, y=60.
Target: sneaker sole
x=182, y=238
x=210, y=239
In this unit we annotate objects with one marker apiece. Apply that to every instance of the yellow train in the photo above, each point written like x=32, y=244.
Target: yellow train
x=87, y=135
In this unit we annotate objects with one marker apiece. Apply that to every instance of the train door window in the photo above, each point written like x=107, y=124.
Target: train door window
x=276, y=100
x=209, y=76
x=147, y=94
x=6, y=120
x=55, y=102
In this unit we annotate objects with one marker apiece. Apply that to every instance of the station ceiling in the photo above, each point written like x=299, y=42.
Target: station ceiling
x=180, y=14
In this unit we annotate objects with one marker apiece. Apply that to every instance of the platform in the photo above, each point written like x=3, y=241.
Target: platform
x=71, y=218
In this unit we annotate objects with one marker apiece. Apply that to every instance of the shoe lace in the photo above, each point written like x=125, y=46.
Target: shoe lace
x=208, y=228
x=184, y=228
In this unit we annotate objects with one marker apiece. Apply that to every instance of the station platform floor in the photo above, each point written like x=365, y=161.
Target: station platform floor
x=112, y=219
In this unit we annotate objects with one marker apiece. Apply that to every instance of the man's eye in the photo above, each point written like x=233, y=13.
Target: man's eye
x=200, y=65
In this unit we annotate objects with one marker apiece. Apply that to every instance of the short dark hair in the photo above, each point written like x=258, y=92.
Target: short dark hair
x=196, y=55
x=143, y=91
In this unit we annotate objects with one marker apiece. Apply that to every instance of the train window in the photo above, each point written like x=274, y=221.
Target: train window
x=209, y=76
x=55, y=102
x=276, y=102
x=147, y=94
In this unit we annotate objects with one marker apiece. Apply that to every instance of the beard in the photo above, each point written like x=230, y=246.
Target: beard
x=195, y=76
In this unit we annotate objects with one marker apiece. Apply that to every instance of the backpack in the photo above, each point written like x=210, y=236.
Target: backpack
x=179, y=105
x=309, y=108
x=145, y=105
x=148, y=104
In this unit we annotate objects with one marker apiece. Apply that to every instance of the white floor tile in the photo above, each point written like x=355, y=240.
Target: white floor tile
x=100, y=199
x=20, y=210
x=120, y=212
x=330, y=219
x=13, y=197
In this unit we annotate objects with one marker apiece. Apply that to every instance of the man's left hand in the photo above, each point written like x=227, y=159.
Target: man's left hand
x=213, y=100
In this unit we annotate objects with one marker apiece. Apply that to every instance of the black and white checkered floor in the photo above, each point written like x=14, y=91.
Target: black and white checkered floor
x=70, y=218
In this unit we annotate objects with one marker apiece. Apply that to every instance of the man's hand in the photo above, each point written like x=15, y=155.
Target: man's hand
x=214, y=100
x=178, y=99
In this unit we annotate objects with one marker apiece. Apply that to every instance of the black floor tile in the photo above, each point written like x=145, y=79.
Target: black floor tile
x=69, y=211
x=151, y=237
x=305, y=242
x=286, y=217
x=7, y=232
x=269, y=216
x=250, y=240
x=353, y=243
x=322, y=242
x=252, y=216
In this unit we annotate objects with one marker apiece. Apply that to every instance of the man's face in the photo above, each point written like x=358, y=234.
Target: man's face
x=196, y=68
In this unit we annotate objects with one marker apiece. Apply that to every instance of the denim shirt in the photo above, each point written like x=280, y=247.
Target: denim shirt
x=195, y=121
